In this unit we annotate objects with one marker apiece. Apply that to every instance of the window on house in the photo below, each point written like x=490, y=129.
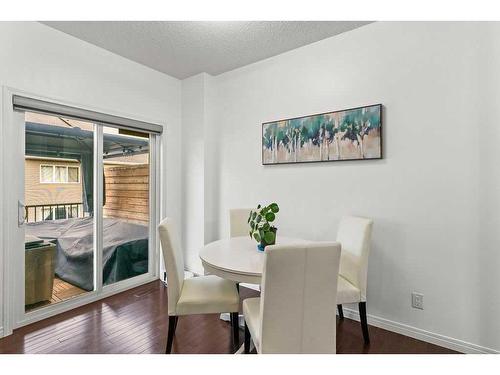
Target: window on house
x=59, y=174
x=73, y=175
x=46, y=173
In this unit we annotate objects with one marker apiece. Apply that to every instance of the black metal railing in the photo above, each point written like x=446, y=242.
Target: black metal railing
x=41, y=212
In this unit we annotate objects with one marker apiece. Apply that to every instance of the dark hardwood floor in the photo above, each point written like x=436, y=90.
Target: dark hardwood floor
x=136, y=321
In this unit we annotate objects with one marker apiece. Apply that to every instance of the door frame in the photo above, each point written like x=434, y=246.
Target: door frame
x=12, y=292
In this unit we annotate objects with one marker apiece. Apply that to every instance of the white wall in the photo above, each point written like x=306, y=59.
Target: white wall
x=193, y=149
x=211, y=160
x=434, y=196
x=199, y=168
x=486, y=247
x=43, y=61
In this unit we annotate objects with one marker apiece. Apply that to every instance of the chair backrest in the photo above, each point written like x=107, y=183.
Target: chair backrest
x=174, y=262
x=298, y=298
x=355, y=234
x=238, y=222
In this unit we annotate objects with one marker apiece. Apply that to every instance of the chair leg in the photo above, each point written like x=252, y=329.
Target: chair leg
x=236, y=328
x=172, y=324
x=364, y=322
x=175, y=325
x=341, y=312
x=247, y=340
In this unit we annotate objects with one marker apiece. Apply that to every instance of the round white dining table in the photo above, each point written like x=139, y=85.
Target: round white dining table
x=237, y=258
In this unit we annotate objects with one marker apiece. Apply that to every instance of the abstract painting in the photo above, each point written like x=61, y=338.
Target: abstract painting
x=351, y=134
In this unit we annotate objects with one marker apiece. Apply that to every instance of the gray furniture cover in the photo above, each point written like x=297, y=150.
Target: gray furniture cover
x=125, y=249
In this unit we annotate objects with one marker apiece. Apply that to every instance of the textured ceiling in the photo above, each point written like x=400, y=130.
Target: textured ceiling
x=185, y=48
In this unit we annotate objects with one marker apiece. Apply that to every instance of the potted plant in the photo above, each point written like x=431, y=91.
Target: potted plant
x=261, y=227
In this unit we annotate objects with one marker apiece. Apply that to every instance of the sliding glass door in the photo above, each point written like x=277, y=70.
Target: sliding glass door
x=126, y=201
x=84, y=186
x=59, y=220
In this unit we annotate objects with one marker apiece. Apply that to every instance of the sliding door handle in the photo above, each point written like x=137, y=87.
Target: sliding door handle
x=21, y=213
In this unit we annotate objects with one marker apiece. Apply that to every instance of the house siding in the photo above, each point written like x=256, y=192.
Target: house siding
x=37, y=193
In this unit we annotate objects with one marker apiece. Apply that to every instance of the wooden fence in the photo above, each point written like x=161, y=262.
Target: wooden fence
x=127, y=192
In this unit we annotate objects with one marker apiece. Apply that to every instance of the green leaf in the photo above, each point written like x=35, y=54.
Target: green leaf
x=274, y=207
x=258, y=206
x=269, y=238
x=266, y=227
x=250, y=233
x=258, y=218
x=256, y=236
x=252, y=225
x=254, y=215
x=270, y=217
x=261, y=233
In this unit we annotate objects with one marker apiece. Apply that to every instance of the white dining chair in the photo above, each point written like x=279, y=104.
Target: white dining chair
x=354, y=234
x=238, y=222
x=198, y=295
x=296, y=310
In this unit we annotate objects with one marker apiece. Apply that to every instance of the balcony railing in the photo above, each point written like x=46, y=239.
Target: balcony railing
x=41, y=212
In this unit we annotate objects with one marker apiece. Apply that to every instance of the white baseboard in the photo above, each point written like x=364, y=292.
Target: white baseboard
x=420, y=334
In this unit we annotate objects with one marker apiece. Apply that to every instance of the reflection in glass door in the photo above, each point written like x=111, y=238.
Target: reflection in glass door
x=126, y=201
x=59, y=211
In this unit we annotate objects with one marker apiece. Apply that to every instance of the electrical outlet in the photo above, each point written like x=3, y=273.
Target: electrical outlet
x=417, y=300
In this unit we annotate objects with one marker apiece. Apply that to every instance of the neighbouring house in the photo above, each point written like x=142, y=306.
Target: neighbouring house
x=58, y=170
x=53, y=188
